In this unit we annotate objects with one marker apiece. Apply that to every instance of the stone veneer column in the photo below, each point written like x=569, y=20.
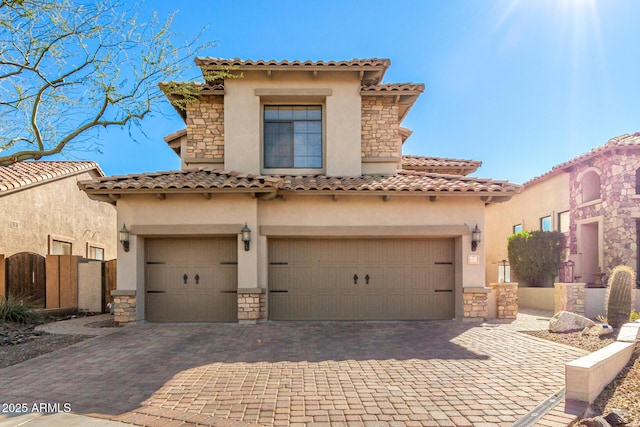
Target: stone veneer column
x=506, y=299
x=476, y=303
x=124, y=310
x=252, y=305
x=569, y=297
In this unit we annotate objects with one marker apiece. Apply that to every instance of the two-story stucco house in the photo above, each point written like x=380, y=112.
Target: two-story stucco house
x=594, y=199
x=295, y=202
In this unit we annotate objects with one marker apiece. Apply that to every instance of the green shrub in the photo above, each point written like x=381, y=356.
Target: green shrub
x=536, y=256
x=18, y=310
x=634, y=316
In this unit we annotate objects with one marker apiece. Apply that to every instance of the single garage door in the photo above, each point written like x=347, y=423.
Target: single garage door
x=191, y=280
x=361, y=279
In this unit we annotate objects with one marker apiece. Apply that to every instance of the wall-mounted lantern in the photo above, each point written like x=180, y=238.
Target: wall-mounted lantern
x=475, y=238
x=246, y=236
x=124, y=237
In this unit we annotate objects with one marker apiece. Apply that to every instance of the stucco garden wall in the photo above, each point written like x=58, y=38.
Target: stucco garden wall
x=58, y=209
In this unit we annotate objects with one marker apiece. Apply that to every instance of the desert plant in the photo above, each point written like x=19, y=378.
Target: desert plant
x=536, y=256
x=16, y=309
x=620, y=293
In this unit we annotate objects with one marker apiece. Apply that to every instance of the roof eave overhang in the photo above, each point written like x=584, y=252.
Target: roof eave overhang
x=367, y=73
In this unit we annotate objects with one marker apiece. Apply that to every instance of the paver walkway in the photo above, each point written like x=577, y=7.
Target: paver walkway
x=437, y=373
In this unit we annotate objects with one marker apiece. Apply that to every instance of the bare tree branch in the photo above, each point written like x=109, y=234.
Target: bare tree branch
x=70, y=67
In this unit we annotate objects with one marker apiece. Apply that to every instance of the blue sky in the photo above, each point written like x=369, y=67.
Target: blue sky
x=520, y=85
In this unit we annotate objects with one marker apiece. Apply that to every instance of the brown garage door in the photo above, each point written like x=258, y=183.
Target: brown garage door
x=191, y=280
x=372, y=279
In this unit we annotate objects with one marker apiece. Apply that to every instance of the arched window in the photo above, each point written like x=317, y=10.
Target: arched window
x=590, y=186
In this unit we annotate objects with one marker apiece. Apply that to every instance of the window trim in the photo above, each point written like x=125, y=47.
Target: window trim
x=96, y=246
x=293, y=102
x=62, y=239
x=560, y=223
x=542, y=218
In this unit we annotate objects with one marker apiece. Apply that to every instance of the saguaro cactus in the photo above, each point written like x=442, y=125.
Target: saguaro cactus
x=620, y=293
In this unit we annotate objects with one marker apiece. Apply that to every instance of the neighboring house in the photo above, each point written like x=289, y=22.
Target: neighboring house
x=594, y=199
x=42, y=211
x=307, y=156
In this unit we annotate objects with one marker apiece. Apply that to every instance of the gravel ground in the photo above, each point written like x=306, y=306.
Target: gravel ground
x=20, y=342
x=623, y=393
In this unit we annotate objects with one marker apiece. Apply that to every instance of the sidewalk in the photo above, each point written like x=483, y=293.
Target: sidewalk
x=79, y=326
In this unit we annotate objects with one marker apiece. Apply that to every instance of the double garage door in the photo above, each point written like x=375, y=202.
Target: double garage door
x=191, y=280
x=195, y=280
x=361, y=279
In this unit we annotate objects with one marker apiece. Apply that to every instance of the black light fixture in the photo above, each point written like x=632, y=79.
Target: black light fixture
x=475, y=238
x=124, y=237
x=246, y=236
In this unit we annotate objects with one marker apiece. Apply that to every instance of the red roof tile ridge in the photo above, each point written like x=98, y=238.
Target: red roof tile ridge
x=238, y=62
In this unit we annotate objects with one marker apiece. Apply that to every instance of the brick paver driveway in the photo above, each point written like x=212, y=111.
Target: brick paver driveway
x=439, y=373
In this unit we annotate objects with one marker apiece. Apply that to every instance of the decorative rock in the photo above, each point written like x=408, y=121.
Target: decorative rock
x=565, y=321
x=599, y=421
x=615, y=419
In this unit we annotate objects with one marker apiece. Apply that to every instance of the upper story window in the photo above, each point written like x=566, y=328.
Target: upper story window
x=545, y=223
x=590, y=186
x=517, y=228
x=292, y=136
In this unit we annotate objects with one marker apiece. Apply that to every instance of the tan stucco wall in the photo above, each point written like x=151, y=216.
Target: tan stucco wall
x=339, y=93
x=549, y=197
x=58, y=209
x=401, y=213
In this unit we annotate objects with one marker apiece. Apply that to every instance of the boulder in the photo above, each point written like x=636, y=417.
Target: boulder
x=565, y=321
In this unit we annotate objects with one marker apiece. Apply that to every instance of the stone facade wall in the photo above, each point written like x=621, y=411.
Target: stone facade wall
x=124, y=310
x=475, y=304
x=205, y=128
x=252, y=306
x=569, y=297
x=506, y=299
x=380, y=135
x=617, y=205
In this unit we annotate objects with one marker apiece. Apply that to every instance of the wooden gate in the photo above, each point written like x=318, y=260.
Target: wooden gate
x=26, y=277
x=109, y=282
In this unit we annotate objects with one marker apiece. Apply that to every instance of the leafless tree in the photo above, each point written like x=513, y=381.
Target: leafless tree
x=71, y=67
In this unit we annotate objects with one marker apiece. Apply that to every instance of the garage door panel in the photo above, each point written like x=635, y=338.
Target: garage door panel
x=279, y=277
x=300, y=278
x=320, y=276
x=443, y=277
x=170, y=299
x=163, y=278
x=226, y=278
x=279, y=306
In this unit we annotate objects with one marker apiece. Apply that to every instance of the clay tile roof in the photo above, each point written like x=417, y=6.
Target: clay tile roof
x=393, y=88
x=179, y=181
x=621, y=142
x=21, y=175
x=440, y=165
x=403, y=182
x=240, y=63
x=372, y=69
